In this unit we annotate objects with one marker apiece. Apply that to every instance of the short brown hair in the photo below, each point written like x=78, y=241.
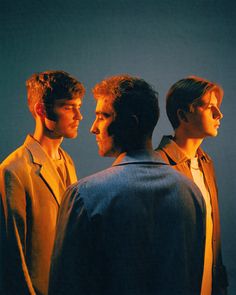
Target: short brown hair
x=186, y=93
x=131, y=96
x=48, y=86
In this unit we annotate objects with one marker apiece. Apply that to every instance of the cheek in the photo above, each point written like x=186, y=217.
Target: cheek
x=62, y=123
x=206, y=119
x=105, y=134
x=198, y=119
x=64, y=118
x=113, y=129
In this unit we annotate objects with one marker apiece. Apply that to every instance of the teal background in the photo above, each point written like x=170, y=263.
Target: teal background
x=160, y=41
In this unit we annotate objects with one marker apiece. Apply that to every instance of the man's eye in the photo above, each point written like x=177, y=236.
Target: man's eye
x=211, y=107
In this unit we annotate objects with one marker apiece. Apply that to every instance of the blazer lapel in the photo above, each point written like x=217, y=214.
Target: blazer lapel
x=47, y=170
x=51, y=177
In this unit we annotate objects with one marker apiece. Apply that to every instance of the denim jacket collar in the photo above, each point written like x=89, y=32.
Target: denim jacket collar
x=138, y=156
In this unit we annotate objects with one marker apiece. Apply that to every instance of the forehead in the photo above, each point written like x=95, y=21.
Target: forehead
x=210, y=97
x=76, y=100
x=104, y=105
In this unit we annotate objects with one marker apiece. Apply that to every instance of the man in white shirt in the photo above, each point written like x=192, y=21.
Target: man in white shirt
x=193, y=108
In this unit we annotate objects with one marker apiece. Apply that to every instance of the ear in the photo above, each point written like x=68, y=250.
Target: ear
x=182, y=115
x=39, y=109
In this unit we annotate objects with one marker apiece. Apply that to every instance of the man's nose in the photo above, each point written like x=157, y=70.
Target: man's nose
x=218, y=114
x=78, y=115
x=94, y=128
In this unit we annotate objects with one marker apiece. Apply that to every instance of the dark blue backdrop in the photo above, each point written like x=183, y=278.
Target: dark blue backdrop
x=160, y=41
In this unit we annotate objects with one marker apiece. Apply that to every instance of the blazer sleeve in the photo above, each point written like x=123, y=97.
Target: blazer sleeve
x=13, y=229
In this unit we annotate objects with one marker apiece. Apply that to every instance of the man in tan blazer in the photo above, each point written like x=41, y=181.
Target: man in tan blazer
x=33, y=179
x=193, y=108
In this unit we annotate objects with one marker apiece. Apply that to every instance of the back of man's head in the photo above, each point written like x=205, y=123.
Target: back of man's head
x=185, y=93
x=48, y=86
x=135, y=104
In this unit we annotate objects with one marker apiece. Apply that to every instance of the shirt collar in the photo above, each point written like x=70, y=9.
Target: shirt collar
x=138, y=156
x=175, y=153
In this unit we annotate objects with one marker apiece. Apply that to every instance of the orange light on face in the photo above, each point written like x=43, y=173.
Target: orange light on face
x=105, y=115
x=68, y=117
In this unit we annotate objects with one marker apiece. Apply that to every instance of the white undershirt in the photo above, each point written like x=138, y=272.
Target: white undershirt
x=198, y=178
x=61, y=169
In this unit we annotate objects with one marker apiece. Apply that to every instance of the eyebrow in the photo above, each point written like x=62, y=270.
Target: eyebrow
x=70, y=103
x=104, y=113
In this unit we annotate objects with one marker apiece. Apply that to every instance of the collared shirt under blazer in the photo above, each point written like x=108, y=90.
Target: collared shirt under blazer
x=169, y=151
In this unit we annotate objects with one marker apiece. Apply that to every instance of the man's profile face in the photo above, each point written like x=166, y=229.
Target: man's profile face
x=105, y=116
x=68, y=117
x=205, y=119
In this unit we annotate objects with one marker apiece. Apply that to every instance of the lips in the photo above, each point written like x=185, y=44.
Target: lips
x=98, y=141
x=75, y=126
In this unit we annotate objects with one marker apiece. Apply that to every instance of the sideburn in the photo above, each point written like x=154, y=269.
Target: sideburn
x=50, y=114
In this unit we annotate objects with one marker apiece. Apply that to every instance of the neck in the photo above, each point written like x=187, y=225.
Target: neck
x=188, y=145
x=50, y=145
x=146, y=145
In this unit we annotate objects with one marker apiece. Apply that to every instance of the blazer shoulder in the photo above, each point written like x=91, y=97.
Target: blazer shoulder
x=17, y=160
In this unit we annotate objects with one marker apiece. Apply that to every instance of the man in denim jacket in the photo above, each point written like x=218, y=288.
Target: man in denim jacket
x=136, y=228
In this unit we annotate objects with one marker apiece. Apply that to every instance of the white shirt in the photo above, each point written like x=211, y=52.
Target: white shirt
x=198, y=178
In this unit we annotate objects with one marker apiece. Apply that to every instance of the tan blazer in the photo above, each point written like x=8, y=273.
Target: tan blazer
x=31, y=190
x=169, y=151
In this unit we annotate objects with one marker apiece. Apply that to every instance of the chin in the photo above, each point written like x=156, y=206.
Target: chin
x=74, y=135
x=212, y=134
